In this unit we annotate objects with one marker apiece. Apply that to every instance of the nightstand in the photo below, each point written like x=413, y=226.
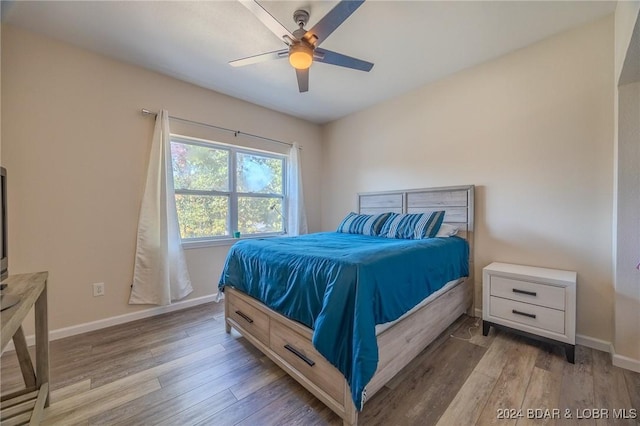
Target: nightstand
x=536, y=302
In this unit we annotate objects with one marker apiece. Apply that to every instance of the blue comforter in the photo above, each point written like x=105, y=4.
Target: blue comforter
x=342, y=285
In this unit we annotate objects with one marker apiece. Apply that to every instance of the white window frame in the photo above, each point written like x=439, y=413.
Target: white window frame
x=233, y=194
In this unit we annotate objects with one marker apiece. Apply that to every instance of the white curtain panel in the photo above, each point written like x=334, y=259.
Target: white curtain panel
x=296, y=216
x=160, y=273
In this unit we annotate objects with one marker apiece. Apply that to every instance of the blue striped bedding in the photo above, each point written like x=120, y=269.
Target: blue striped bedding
x=342, y=285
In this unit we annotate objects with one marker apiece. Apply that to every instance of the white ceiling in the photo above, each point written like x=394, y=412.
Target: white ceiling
x=411, y=43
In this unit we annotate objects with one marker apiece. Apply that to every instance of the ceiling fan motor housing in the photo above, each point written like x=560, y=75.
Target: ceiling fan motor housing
x=301, y=17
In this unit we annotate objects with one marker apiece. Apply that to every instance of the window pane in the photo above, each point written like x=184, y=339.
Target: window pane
x=259, y=174
x=199, y=168
x=202, y=216
x=259, y=215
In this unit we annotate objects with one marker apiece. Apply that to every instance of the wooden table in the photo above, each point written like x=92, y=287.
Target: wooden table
x=27, y=405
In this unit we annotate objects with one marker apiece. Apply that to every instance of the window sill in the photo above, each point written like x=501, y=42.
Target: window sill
x=228, y=242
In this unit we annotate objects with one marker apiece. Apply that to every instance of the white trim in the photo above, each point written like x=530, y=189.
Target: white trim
x=119, y=319
x=478, y=313
x=625, y=362
x=593, y=343
x=189, y=244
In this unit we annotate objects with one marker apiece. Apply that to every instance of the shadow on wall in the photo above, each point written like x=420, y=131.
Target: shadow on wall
x=510, y=243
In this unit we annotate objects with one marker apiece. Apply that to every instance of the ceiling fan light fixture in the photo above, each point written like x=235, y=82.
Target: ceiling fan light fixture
x=300, y=56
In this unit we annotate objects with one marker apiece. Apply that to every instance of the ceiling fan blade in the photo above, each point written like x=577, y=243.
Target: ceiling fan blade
x=263, y=57
x=334, y=58
x=332, y=20
x=267, y=19
x=303, y=80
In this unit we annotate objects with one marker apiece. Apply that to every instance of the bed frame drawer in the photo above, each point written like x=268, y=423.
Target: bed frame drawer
x=249, y=317
x=300, y=354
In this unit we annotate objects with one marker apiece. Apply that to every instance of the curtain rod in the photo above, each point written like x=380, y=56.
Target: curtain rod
x=236, y=133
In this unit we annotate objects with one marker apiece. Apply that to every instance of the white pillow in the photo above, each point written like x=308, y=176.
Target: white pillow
x=446, y=231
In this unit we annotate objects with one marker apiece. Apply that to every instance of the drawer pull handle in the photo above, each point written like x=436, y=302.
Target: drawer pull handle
x=523, y=314
x=528, y=293
x=300, y=355
x=245, y=316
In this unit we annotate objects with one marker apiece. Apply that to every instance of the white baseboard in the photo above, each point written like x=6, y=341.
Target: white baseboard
x=593, y=343
x=119, y=319
x=478, y=313
x=626, y=362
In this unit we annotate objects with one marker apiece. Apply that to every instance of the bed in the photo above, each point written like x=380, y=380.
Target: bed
x=334, y=324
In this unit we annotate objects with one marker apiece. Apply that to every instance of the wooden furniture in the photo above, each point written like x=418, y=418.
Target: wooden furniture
x=535, y=302
x=26, y=406
x=288, y=343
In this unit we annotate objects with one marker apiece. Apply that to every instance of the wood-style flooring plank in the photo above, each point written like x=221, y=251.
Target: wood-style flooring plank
x=184, y=401
x=255, y=402
x=277, y=412
x=497, y=354
x=70, y=390
x=84, y=411
x=222, y=362
x=576, y=390
x=179, y=395
x=95, y=396
x=610, y=390
x=315, y=414
x=509, y=390
x=543, y=393
x=426, y=394
x=255, y=383
x=551, y=358
x=197, y=413
x=632, y=380
x=469, y=401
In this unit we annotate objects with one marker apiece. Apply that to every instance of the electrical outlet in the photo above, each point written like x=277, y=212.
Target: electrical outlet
x=98, y=289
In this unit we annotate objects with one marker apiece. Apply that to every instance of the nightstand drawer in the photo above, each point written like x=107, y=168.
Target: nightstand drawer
x=528, y=292
x=524, y=313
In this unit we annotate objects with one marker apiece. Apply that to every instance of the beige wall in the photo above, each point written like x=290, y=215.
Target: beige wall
x=76, y=147
x=533, y=130
x=627, y=288
x=626, y=341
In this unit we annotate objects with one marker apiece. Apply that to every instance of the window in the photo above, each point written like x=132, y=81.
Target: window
x=221, y=189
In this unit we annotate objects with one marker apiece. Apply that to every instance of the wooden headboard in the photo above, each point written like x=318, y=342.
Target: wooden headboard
x=456, y=201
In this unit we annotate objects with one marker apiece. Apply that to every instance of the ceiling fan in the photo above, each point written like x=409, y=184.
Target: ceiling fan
x=303, y=44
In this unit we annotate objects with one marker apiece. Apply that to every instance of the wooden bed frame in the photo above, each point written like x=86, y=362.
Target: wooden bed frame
x=288, y=343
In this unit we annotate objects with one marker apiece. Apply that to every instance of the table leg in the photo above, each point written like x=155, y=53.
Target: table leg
x=22, y=352
x=42, y=341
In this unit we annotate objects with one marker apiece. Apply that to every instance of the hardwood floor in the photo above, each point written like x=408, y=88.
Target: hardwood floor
x=182, y=368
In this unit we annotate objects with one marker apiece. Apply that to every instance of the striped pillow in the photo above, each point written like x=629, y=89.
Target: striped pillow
x=413, y=226
x=365, y=224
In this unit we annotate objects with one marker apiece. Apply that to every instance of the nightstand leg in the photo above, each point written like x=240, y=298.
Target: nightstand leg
x=485, y=328
x=570, y=351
